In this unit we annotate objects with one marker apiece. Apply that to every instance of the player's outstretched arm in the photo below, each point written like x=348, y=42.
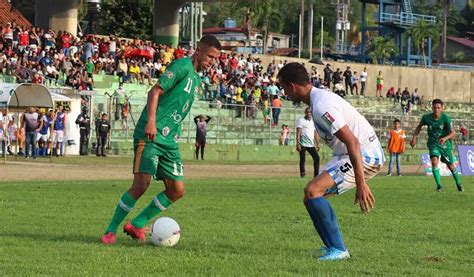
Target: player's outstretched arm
x=151, y=106
x=415, y=134
x=363, y=193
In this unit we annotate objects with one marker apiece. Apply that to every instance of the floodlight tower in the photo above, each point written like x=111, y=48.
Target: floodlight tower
x=342, y=24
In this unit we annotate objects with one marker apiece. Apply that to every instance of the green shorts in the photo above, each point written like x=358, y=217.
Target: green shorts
x=159, y=162
x=445, y=153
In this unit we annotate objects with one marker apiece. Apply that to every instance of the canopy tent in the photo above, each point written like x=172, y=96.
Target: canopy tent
x=18, y=97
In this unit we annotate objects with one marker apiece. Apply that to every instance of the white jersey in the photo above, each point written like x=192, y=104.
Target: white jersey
x=307, y=132
x=331, y=113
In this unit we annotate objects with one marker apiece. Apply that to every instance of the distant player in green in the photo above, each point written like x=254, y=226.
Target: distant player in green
x=156, y=140
x=440, y=133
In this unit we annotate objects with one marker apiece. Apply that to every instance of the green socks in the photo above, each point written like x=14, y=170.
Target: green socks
x=124, y=206
x=437, y=176
x=157, y=205
x=456, y=177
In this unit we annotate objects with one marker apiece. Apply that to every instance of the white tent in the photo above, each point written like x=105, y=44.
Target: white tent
x=18, y=97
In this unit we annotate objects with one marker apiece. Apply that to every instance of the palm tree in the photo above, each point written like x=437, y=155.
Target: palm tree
x=420, y=33
x=382, y=49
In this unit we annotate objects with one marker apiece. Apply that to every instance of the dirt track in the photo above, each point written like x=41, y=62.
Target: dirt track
x=22, y=171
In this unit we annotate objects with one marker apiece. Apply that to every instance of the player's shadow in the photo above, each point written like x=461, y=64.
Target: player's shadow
x=48, y=237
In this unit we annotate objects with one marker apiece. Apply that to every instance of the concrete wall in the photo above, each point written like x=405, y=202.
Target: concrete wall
x=448, y=85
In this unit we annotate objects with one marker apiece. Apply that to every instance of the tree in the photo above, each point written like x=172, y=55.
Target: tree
x=127, y=18
x=420, y=33
x=382, y=49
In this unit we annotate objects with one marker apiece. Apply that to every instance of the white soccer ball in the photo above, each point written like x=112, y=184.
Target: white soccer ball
x=165, y=231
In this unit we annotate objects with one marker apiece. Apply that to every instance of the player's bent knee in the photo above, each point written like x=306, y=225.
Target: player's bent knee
x=312, y=190
x=175, y=190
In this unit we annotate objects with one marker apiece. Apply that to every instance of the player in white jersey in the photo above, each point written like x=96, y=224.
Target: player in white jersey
x=357, y=157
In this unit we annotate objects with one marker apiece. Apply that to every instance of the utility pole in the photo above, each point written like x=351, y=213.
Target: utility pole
x=322, y=38
x=302, y=28
x=310, y=28
x=299, y=40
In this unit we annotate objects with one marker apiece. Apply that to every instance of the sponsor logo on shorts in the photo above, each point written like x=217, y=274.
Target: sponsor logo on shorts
x=327, y=117
x=165, y=131
x=470, y=160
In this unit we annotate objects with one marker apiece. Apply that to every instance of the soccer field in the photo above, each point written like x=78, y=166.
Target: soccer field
x=237, y=227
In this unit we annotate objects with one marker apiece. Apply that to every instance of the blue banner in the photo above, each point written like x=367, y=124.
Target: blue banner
x=466, y=158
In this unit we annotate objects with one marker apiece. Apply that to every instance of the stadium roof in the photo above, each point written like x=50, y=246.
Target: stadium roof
x=10, y=14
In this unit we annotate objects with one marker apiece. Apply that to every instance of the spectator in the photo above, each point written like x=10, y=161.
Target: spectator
x=119, y=97
x=363, y=80
x=276, y=108
x=327, y=75
x=354, y=82
x=378, y=92
x=348, y=79
x=398, y=95
x=396, y=146
x=59, y=129
x=201, y=122
x=32, y=125
x=134, y=71
x=391, y=94
x=464, y=133
x=307, y=140
x=284, y=135
x=3, y=139
x=90, y=70
x=336, y=78
x=415, y=97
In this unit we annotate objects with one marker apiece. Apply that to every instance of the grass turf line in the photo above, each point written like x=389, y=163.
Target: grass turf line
x=236, y=227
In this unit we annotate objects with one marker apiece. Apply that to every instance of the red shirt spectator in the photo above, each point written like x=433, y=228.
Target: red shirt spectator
x=66, y=40
x=103, y=48
x=23, y=38
x=234, y=63
x=179, y=53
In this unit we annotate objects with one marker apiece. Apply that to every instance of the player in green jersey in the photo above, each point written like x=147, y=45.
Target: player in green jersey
x=440, y=133
x=156, y=140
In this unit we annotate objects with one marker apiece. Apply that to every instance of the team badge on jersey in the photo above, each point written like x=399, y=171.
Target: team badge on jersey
x=327, y=117
x=165, y=131
x=169, y=74
x=176, y=138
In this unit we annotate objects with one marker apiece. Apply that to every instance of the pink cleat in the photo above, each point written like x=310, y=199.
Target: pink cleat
x=108, y=239
x=134, y=232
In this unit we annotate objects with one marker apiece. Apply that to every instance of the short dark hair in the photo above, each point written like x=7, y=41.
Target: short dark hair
x=396, y=121
x=437, y=101
x=211, y=41
x=293, y=73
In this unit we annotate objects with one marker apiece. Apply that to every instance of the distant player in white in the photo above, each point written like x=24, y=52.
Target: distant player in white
x=357, y=157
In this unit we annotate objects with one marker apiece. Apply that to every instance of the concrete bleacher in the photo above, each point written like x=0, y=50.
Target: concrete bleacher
x=225, y=128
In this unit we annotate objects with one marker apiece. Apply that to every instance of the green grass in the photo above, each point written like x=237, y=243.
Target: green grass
x=237, y=227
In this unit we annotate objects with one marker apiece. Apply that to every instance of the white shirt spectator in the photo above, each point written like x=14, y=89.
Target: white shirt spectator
x=307, y=131
x=363, y=76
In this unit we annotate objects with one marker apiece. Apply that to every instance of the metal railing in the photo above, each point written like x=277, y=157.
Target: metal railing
x=406, y=19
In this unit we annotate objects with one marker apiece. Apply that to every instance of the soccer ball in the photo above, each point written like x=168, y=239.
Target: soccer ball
x=165, y=232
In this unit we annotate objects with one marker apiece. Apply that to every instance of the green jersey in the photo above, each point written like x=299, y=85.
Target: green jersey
x=180, y=83
x=437, y=128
